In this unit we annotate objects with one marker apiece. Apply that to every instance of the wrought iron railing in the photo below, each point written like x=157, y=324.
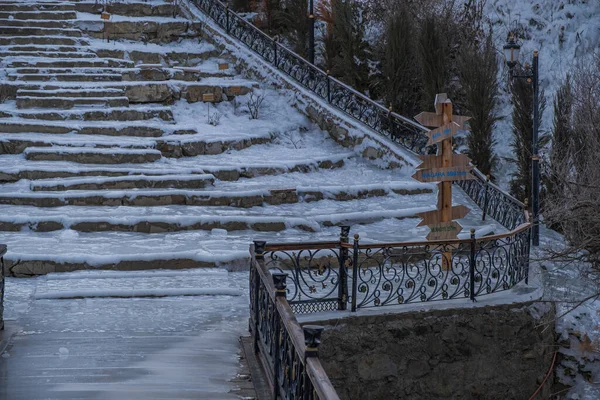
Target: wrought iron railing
x=3, y=249
x=287, y=352
x=338, y=275
x=490, y=198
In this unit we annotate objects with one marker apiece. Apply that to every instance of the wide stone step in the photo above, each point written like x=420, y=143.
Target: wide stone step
x=110, y=114
x=56, y=40
x=35, y=23
x=103, y=92
x=208, y=198
x=67, y=77
x=36, y=7
x=45, y=15
x=107, y=129
x=85, y=155
x=26, y=31
x=128, y=8
x=68, y=63
x=70, y=102
x=46, y=54
x=189, y=181
x=42, y=48
x=22, y=169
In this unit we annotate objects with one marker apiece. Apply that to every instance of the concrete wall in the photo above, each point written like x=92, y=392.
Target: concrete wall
x=500, y=352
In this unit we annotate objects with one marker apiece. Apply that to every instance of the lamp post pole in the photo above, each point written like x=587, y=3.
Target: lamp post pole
x=535, y=159
x=311, y=32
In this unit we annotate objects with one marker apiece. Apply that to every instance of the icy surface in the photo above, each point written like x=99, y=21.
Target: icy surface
x=105, y=348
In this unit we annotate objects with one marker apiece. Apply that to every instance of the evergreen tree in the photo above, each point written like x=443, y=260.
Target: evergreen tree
x=478, y=69
x=398, y=82
x=434, y=60
x=296, y=24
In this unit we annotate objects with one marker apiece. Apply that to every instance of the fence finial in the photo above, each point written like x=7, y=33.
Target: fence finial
x=259, y=248
x=312, y=339
x=279, y=280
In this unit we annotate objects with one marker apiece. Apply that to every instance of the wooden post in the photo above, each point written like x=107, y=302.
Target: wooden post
x=445, y=196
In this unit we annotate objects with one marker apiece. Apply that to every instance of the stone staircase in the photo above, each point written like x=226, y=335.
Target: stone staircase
x=109, y=158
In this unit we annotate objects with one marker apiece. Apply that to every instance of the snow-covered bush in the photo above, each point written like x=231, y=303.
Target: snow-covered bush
x=255, y=103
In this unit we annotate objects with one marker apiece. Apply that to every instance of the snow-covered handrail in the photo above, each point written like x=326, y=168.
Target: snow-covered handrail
x=401, y=130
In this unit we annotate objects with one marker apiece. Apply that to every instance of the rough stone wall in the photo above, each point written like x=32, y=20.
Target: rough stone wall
x=500, y=352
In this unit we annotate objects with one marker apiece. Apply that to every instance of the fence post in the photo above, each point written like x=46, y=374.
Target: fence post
x=485, y=197
x=343, y=280
x=312, y=340
x=472, y=265
x=227, y=17
x=275, y=56
x=279, y=281
x=259, y=254
x=355, y=271
x=328, y=88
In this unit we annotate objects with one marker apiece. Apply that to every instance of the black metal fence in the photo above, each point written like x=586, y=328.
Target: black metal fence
x=3, y=250
x=287, y=352
x=331, y=276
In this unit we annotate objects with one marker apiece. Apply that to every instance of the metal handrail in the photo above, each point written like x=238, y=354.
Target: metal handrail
x=399, y=129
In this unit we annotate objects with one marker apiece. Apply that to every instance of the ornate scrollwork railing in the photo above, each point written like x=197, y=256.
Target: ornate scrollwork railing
x=329, y=276
x=288, y=352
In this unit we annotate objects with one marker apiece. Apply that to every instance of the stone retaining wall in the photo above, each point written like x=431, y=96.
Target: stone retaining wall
x=501, y=352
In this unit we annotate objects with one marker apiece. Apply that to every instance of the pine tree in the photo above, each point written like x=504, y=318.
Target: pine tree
x=398, y=82
x=478, y=69
x=296, y=24
x=433, y=59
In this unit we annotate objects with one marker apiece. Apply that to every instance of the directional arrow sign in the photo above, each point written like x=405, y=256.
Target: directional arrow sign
x=442, y=133
x=444, y=174
x=435, y=216
x=444, y=231
x=458, y=160
x=432, y=120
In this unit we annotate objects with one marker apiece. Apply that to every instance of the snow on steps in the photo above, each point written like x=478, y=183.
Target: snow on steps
x=71, y=92
x=131, y=113
x=45, y=39
x=37, y=7
x=91, y=155
x=35, y=15
x=66, y=103
x=174, y=181
x=50, y=62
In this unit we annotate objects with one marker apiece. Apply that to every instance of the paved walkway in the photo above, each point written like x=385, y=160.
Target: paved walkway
x=123, y=348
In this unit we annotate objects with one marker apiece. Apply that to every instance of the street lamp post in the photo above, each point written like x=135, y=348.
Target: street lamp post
x=311, y=32
x=511, y=55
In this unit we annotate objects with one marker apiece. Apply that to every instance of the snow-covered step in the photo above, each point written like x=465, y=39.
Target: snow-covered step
x=36, y=7
x=46, y=54
x=27, y=31
x=44, y=15
x=68, y=77
x=42, y=48
x=13, y=169
x=70, y=92
x=240, y=198
x=189, y=181
x=16, y=62
x=88, y=155
x=56, y=40
x=107, y=128
x=131, y=113
x=70, y=102
x=36, y=23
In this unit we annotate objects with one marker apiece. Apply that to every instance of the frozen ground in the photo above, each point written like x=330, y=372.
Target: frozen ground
x=117, y=348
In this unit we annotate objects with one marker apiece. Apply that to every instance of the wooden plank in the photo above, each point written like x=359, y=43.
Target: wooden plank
x=435, y=216
x=208, y=97
x=105, y=16
x=223, y=66
x=432, y=120
x=442, y=133
x=444, y=174
x=444, y=231
x=432, y=161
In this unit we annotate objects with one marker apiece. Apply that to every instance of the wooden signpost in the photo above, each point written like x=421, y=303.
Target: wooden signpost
x=223, y=66
x=445, y=167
